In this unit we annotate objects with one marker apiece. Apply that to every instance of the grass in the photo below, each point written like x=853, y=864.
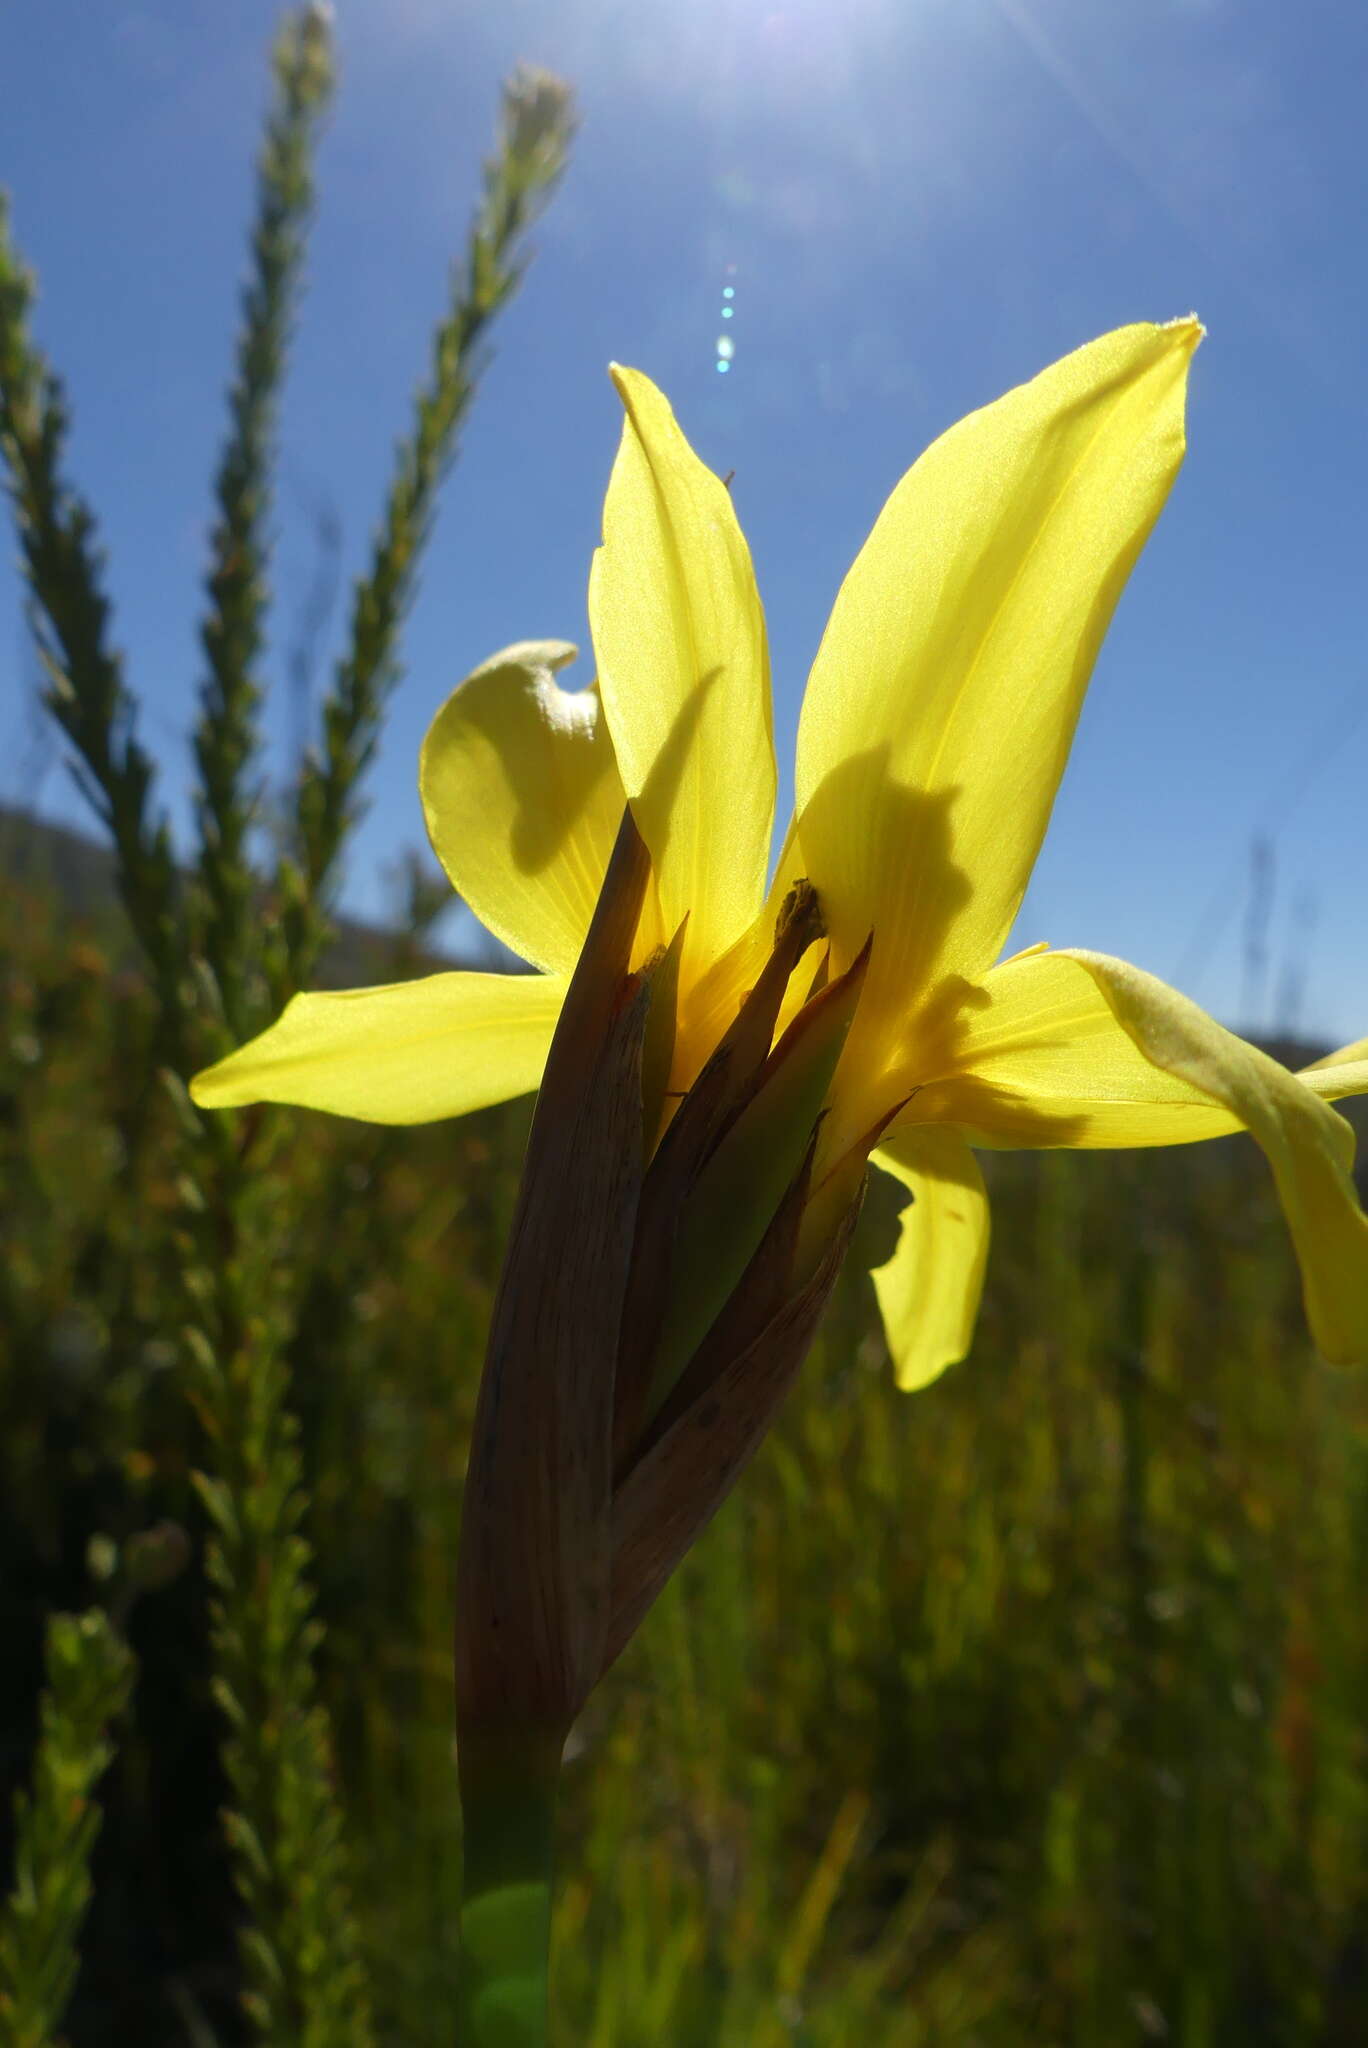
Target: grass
x=1027, y=1710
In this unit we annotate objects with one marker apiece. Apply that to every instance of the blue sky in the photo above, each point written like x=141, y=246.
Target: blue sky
x=924, y=201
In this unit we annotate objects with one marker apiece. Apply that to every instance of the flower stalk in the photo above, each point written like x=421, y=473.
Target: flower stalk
x=532, y=1583
x=508, y=1804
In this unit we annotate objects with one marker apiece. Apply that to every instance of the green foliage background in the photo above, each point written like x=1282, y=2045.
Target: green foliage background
x=1028, y=1710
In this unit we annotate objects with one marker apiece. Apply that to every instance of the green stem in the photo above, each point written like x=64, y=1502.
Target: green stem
x=508, y=1802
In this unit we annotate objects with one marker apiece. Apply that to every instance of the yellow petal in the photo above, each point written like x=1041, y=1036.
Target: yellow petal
x=709, y=1003
x=408, y=1053
x=523, y=800
x=679, y=635
x=1340, y=1073
x=1334, y=1080
x=1034, y=1056
x=929, y=1290
x=943, y=699
x=1309, y=1147
x=1346, y=1055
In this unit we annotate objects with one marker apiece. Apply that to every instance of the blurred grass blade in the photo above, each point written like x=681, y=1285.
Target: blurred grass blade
x=819, y=1896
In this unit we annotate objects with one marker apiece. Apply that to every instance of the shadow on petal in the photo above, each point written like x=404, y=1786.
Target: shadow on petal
x=880, y=856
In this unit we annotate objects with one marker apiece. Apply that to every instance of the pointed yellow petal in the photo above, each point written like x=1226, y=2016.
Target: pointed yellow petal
x=523, y=800
x=1334, y=1079
x=679, y=635
x=408, y=1053
x=1034, y=1056
x=1309, y=1147
x=1340, y=1073
x=1346, y=1055
x=943, y=699
x=929, y=1290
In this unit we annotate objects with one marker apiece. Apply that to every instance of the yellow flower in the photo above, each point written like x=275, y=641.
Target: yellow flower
x=935, y=727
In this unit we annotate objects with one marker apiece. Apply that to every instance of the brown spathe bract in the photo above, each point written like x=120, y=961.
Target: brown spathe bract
x=590, y=1475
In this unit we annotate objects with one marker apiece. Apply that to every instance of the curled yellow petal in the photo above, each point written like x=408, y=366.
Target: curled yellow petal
x=942, y=703
x=1309, y=1147
x=679, y=637
x=929, y=1290
x=407, y=1053
x=1034, y=1056
x=523, y=800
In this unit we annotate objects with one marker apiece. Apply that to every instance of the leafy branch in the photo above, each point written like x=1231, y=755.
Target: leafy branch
x=85, y=690
x=535, y=133
x=226, y=737
x=301, y=1948
x=89, y=1676
x=212, y=955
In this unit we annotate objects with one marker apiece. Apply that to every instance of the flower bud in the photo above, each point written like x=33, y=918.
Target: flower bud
x=532, y=1583
x=655, y=1304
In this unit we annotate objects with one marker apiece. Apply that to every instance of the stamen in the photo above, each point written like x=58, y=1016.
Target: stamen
x=800, y=917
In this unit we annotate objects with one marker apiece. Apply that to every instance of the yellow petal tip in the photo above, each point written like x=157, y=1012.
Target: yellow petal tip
x=1187, y=330
x=644, y=401
x=211, y=1088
